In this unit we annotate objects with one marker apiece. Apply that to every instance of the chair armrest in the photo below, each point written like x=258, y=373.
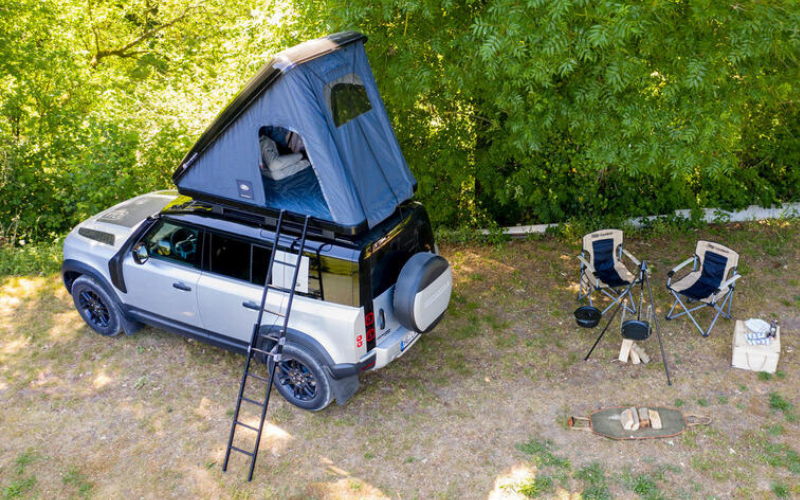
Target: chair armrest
x=728, y=283
x=630, y=256
x=586, y=263
x=680, y=266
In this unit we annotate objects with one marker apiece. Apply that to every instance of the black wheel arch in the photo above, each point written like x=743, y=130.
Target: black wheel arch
x=71, y=269
x=344, y=386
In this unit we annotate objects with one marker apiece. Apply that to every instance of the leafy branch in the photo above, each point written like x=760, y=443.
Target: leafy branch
x=129, y=49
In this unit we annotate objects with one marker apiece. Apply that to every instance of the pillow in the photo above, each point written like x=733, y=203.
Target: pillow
x=269, y=150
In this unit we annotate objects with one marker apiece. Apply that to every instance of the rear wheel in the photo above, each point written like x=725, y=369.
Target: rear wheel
x=96, y=307
x=301, y=379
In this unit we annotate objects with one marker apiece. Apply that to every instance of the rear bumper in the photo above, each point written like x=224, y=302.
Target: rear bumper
x=392, y=346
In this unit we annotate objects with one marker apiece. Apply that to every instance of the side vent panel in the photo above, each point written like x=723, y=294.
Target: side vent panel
x=93, y=234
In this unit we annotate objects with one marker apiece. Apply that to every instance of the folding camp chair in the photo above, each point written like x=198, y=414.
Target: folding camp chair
x=711, y=282
x=602, y=268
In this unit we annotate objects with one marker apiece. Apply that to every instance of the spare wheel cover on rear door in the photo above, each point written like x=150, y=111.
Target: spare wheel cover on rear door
x=423, y=292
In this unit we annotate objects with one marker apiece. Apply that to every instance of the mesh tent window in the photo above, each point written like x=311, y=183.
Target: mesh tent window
x=346, y=98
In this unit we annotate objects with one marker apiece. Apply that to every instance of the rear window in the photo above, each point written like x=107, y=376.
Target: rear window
x=389, y=254
x=346, y=98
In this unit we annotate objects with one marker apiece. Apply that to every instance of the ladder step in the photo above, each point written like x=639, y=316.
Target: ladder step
x=276, y=313
x=259, y=377
x=242, y=451
x=253, y=401
x=247, y=426
x=270, y=336
x=260, y=351
x=279, y=289
x=287, y=264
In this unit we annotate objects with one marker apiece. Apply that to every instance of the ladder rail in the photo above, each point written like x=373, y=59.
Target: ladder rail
x=253, y=340
x=275, y=353
x=276, y=358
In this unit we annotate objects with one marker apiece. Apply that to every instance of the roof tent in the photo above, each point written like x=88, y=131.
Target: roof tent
x=323, y=92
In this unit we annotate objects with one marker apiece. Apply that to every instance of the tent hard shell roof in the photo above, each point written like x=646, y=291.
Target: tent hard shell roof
x=323, y=91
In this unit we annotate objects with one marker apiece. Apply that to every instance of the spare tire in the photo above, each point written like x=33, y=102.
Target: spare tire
x=423, y=292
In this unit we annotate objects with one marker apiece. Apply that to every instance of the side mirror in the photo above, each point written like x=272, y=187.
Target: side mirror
x=140, y=254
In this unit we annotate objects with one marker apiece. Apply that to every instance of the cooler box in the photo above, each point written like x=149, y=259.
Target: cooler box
x=757, y=358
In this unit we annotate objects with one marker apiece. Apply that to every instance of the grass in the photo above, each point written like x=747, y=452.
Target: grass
x=476, y=405
x=535, y=487
x=645, y=486
x=541, y=451
x=779, y=403
x=595, y=484
x=79, y=481
x=19, y=488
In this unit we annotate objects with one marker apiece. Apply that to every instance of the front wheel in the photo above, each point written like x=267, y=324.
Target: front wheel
x=301, y=379
x=96, y=307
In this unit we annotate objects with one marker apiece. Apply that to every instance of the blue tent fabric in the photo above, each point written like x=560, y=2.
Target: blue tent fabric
x=358, y=171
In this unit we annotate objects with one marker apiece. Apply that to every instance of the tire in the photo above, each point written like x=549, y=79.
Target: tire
x=301, y=379
x=423, y=291
x=96, y=307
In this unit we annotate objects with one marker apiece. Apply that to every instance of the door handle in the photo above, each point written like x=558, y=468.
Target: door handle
x=250, y=305
x=182, y=287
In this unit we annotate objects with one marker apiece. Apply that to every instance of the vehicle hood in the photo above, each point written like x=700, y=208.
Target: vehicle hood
x=119, y=221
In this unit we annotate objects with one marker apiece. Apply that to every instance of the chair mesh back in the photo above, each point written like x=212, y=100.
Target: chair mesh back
x=604, y=262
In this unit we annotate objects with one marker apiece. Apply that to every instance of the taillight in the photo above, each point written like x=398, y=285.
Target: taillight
x=369, y=323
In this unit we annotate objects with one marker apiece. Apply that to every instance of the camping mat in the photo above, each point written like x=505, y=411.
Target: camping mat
x=606, y=422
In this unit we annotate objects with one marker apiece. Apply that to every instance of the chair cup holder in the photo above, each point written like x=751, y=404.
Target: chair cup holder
x=588, y=316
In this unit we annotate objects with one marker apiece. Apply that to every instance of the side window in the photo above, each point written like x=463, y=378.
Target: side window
x=260, y=264
x=244, y=261
x=229, y=257
x=176, y=243
x=312, y=288
x=346, y=98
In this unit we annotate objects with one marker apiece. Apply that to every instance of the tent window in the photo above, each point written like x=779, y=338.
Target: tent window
x=346, y=98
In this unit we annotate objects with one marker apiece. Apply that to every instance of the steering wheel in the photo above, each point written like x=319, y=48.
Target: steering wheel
x=184, y=243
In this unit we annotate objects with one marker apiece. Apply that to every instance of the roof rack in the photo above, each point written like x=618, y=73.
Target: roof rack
x=264, y=219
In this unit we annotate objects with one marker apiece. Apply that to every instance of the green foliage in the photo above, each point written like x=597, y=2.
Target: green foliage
x=780, y=490
x=535, y=487
x=779, y=403
x=545, y=111
x=594, y=478
x=79, y=481
x=541, y=450
x=41, y=259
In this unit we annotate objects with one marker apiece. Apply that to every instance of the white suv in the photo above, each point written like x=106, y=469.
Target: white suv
x=198, y=269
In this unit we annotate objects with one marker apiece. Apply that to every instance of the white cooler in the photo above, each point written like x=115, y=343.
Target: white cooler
x=757, y=358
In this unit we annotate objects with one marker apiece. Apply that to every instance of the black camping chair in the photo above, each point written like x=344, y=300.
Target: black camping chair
x=711, y=282
x=602, y=269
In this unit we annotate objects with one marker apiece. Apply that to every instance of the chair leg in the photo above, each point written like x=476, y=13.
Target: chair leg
x=669, y=316
x=720, y=311
x=729, y=299
x=611, y=294
x=708, y=332
x=688, y=312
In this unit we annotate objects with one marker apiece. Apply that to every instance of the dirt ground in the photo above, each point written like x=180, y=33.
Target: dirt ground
x=476, y=410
